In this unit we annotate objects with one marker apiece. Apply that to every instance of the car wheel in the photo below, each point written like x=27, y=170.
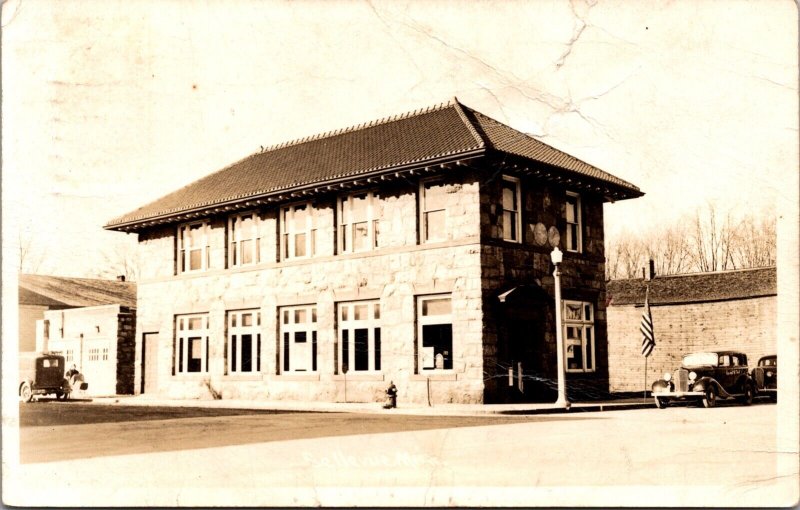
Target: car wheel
x=26, y=392
x=747, y=399
x=62, y=395
x=710, y=398
x=661, y=403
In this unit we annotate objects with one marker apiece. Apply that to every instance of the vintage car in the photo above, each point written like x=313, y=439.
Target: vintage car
x=705, y=377
x=43, y=374
x=765, y=377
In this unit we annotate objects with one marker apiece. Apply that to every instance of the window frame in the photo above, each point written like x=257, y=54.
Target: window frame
x=517, y=183
x=182, y=344
x=347, y=323
x=235, y=328
x=424, y=211
x=285, y=365
x=583, y=324
x=286, y=233
x=184, y=252
x=577, y=225
x=345, y=230
x=235, y=239
x=433, y=320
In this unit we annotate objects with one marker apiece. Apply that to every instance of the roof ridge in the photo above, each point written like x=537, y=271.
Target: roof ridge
x=356, y=127
x=482, y=141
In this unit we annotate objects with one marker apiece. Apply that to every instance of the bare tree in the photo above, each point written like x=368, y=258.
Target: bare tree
x=120, y=260
x=704, y=241
x=30, y=257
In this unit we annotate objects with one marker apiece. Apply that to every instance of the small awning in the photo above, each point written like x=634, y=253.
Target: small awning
x=532, y=291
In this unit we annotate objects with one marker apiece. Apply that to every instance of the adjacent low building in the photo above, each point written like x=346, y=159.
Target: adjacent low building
x=734, y=310
x=414, y=249
x=91, y=322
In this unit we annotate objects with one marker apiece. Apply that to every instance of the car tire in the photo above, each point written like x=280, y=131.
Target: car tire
x=26, y=392
x=710, y=397
x=62, y=395
x=747, y=398
x=661, y=403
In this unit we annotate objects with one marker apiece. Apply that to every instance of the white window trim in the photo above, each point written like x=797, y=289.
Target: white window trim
x=578, y=222
x=345, y=230
x=235, y=245
x=287, y=229
x=432, y=320
x=184, y=254
x=423, y=221
x=309, y=327
x=518, y=211
x=350, y=324
x=182, y=355
x=583, y=324
x=234, y=364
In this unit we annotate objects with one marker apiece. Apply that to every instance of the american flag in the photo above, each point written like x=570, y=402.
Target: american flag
x=648, y=337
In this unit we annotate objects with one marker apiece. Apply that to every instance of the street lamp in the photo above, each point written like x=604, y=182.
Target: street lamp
x=556, y=256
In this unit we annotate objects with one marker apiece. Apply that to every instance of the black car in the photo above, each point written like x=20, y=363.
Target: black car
x=765, y=377
x=706, y=376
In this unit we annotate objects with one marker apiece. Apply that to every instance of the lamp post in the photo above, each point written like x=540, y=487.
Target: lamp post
x=556, y=256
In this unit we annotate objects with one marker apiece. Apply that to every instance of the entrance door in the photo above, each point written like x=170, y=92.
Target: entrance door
x=149, y=363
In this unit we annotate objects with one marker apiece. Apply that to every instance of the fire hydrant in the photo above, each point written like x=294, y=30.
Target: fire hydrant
x=391, y=396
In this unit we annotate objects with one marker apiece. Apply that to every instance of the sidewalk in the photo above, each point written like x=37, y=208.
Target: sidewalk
x=377, y=407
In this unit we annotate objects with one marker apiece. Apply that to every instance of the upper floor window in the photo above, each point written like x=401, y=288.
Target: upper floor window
x=191, y=344
x=193, y=247
x=435, y=332
x=244, y=342
x=511, y=218
x=299, y=338
x=359, y=225
x=579, y=334
x=298, y=231
x=244, y=241
x=574, y=241
x=359, y=336
x=432, y=211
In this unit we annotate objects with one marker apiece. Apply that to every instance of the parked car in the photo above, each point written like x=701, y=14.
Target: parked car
x=43, y=374
x=765, y=377
x=706, y=376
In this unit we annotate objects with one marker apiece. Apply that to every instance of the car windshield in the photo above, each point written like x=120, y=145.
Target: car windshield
x=768, y=362
x=699, y=359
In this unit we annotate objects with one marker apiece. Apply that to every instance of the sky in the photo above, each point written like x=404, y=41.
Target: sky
x=108, y=105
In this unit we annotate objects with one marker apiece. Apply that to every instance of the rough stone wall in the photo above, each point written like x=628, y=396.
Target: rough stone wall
x=747, y=325
x=395, y=275
x=506, y=265
x=126, y=351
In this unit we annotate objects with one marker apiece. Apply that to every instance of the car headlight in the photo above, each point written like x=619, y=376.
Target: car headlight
x=667, y=376
x=692, y=375
x=769, y=374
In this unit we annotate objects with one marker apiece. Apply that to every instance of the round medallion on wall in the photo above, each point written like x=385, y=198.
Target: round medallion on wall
x=553, y=236
x=540, y=234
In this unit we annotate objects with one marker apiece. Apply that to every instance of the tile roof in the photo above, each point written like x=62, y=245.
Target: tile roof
x=446, y=132
x=695, y=287
x=59, y=291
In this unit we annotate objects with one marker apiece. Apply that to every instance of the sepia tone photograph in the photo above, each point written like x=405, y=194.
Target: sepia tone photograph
x=379, y=253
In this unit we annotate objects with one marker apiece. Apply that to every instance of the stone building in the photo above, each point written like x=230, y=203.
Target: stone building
x=413, y=249
x=735, y=310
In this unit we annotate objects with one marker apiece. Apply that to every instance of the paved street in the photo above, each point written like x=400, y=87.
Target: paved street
x=724, y=456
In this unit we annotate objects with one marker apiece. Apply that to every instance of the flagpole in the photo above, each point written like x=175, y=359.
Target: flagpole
x=646, y=354
x=644, y=396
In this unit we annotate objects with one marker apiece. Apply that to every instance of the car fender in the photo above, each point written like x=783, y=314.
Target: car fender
x=704, y=383
x=745, y=380
x=661, y=386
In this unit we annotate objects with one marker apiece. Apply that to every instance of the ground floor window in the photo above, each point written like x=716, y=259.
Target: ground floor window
x=359, y=336
x=191, y=344
x=579, y=336
x=298, y=349
x=244, y=342
x=435, y=332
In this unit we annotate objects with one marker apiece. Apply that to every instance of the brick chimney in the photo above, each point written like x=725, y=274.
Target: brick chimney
x=121, y=278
